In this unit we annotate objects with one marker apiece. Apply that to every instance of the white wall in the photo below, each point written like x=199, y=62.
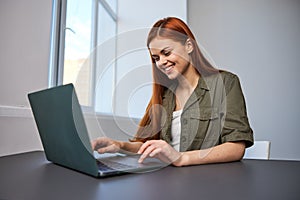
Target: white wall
x=24, y=39
x=259, y=41
x=133, y=73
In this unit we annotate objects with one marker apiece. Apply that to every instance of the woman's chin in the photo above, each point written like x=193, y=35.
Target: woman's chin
x=172, y=75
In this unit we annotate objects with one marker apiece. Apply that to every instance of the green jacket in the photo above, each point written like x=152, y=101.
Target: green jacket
x=215, y=113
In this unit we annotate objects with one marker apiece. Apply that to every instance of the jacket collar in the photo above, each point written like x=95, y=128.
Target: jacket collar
x=198, y=93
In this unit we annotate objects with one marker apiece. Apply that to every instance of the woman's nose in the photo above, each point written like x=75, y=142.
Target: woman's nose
x=162, y=61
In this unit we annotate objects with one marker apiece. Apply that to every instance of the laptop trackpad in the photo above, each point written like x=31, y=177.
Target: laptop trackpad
x=131, y=161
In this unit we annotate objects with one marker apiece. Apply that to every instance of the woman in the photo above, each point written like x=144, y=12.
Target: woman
x=197, y=114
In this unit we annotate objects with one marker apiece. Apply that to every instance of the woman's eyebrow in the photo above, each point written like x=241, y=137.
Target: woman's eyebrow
x=166, y=48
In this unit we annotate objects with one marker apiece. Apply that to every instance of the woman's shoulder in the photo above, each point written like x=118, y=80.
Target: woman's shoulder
x=230, y=80
x=229, y=77
x=227, y=74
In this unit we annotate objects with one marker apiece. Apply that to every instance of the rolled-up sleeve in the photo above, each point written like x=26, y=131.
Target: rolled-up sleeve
x=236, y=124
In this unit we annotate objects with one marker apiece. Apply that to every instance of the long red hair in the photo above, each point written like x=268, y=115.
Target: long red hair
x=175, y=29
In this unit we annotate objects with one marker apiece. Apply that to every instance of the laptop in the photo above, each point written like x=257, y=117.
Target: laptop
x=65, y=138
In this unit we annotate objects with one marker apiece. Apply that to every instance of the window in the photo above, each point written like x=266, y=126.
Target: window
x=83, y=29
x=105, y=54
x=78, y=44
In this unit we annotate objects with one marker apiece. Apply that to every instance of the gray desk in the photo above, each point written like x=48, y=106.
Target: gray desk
x=31, y=176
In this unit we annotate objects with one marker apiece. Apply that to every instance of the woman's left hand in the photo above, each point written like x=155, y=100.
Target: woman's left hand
x=160, y=149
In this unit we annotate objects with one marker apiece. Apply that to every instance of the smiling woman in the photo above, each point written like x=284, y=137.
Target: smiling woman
x=213, y=125
x=172, y=58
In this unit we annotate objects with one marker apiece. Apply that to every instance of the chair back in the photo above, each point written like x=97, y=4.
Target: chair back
x=259, y=150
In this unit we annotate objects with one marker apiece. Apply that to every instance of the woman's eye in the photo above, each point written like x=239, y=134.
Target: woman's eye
x=167, y=53
x=155, y=58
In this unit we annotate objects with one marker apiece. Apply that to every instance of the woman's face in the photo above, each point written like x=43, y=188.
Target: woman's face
x=171, y=57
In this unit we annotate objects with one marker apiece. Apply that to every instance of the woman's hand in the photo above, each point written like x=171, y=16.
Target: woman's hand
x=106, y=145
x=162, y=150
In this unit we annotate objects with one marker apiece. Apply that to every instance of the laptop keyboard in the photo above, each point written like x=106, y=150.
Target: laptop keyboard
x=110, y=165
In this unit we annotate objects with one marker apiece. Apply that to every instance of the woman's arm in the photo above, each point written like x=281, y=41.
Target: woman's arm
x=226, y=152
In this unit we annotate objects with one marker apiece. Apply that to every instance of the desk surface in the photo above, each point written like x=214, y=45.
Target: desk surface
x=31, y=176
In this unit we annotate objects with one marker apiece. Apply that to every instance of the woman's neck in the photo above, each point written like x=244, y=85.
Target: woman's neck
x=186, y=86
x=188, y=80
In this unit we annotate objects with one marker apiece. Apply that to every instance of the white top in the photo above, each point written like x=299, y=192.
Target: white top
x=176, y=129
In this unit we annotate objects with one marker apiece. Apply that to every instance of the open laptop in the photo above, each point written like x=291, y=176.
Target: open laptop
x=65, y=138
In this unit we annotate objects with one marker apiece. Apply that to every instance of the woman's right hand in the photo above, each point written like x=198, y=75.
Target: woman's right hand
x=106, y=145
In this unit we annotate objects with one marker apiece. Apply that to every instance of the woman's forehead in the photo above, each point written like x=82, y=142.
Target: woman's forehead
x=159, y=43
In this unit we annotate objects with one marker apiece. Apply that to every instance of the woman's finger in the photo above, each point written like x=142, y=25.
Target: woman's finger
x=155, y=152
x=146, y=153
x=109, y=149
x=100, y=143
x=97, y=143
x=144, y=146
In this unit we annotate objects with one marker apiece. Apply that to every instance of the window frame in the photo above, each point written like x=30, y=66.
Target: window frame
x=57, y=44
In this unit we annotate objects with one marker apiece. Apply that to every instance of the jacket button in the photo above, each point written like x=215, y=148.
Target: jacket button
x=184, y=121
x=183, y=139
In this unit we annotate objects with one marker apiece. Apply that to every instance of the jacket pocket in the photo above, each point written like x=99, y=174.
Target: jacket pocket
x=206, y=124
x=205, y=114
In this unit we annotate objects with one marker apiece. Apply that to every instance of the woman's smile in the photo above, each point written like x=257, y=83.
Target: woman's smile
x=171, y=57
x=168, y=69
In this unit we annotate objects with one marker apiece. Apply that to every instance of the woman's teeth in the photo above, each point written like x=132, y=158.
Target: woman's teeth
x=168, y=68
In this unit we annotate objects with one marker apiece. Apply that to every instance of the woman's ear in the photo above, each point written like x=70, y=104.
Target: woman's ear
x=189, y=46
